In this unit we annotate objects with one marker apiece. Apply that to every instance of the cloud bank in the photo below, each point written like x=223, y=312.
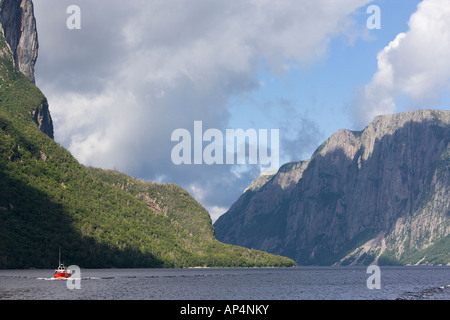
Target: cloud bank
x=138, y=70
x=414, y=66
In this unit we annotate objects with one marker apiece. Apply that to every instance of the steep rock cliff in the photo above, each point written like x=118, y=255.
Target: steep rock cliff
x=18, y=27
x=379, y=195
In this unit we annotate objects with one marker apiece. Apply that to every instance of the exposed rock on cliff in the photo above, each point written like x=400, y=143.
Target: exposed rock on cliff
x=41, y=116
x=380, y=195
x=19, y=28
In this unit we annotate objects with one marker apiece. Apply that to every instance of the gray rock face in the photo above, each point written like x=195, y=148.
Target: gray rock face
x=380, y=195
x=43, y=119
x=19, y=27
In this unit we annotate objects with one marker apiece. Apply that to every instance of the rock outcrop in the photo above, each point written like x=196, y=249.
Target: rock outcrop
x=43, y=119
x=379, y=195
x=19, y=28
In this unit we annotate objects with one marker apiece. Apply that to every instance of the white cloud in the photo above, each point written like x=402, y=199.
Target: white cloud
x=137, y=70
x=216, y=211
x=414, y=65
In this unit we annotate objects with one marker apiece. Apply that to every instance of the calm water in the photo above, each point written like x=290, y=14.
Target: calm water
x=333, y=283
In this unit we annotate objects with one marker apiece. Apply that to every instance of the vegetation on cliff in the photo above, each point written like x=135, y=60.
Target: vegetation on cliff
x=99, y=218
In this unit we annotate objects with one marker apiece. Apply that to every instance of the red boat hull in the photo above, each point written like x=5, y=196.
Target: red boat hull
x=62, y=275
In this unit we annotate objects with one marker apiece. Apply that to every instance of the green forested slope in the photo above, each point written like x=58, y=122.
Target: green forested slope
x=48, y=200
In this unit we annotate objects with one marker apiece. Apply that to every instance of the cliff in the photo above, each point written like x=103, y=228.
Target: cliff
x=18, y=27
x=379, y=195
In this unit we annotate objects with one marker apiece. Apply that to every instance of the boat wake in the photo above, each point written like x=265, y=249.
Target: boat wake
x=65, y=279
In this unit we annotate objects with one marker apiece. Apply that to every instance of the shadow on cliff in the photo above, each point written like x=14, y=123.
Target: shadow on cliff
x=341, y=202
x=33, y=227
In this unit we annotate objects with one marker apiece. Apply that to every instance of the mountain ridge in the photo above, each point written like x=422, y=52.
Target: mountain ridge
x=372, y=196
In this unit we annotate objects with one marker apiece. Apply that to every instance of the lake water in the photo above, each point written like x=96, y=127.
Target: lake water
x=302, y=283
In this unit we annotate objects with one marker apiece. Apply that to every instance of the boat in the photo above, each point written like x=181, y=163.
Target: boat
x=61, y=272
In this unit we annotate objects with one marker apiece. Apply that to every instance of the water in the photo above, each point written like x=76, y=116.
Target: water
x=303, y=283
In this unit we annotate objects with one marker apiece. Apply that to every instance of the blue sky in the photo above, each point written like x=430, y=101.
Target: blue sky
x=138, y=70
x=322, y=90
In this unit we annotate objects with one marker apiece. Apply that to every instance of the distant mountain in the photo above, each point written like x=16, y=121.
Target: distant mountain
x=380, y=195
x=99, y=218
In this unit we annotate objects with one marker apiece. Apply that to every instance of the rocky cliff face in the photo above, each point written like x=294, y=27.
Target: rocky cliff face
x=380, y=195
x=18, y=26
x=43, y=119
